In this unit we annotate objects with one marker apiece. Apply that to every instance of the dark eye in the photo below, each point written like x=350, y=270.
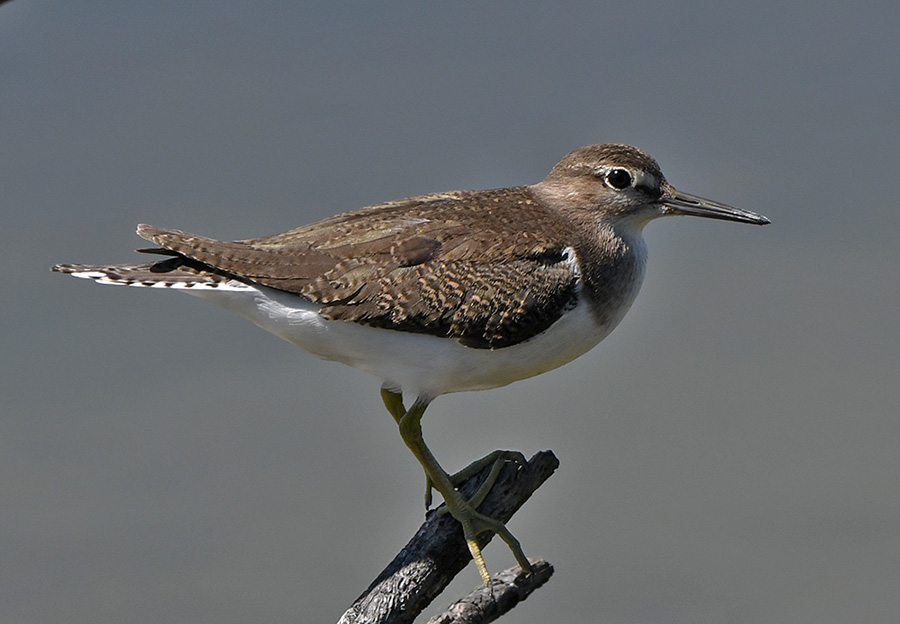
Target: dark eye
x=619, y=179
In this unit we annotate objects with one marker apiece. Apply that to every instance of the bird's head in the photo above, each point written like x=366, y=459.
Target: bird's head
x=616, y=181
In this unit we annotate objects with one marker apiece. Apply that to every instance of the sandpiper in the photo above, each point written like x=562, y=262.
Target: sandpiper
x=455, y=291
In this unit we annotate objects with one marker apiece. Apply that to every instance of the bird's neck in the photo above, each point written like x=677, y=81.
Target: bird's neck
x=613, y=269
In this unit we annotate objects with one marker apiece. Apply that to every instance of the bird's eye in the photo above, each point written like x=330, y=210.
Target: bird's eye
x=619, y=179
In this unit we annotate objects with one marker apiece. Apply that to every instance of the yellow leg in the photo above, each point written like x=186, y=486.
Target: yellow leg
x=393, y=401
x=473, y=523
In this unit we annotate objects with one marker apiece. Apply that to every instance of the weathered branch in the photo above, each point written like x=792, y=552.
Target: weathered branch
x=437, y=553
x=486, y=604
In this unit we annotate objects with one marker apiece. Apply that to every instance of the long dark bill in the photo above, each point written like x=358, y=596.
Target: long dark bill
x=687, y=204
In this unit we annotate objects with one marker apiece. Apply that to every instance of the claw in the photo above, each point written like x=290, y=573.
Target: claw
x=429, y=486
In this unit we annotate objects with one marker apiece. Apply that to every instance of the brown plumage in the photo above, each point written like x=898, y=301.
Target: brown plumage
x=486, y=267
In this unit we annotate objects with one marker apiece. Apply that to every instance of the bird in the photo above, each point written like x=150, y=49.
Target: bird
x=445, y=292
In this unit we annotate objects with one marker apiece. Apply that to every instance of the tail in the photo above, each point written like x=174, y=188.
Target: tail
x=177, y=272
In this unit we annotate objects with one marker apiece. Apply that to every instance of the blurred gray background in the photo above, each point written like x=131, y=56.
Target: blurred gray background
x=730, y=454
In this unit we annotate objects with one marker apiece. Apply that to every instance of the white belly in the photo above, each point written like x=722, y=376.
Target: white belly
x=418, y=364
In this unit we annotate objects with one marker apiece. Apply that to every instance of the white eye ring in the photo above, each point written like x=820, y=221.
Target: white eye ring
x=618, y=179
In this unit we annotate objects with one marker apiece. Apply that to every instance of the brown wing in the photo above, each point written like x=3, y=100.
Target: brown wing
x=490, y=268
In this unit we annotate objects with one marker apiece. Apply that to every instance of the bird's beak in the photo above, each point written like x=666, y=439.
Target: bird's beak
x=678, y=203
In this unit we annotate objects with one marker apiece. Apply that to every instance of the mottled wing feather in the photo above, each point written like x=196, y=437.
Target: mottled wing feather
x=473, y=266
x=464, y=301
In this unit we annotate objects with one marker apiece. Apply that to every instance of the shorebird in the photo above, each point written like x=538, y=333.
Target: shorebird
x=440, y=293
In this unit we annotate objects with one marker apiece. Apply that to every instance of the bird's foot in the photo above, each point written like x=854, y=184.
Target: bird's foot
x=496, y=460
x=475, y=523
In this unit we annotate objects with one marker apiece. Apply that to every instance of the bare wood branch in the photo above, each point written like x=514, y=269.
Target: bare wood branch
x=437, y=552
x=486, y=604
